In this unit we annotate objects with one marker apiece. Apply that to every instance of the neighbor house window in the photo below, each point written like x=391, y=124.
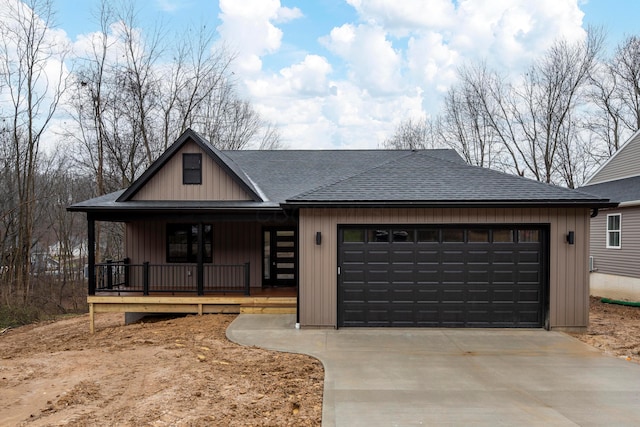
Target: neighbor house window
x=192, y=168
x=182, y=242
x=614, y=228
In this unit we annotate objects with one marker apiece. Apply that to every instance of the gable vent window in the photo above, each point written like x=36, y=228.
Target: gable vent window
x=192, y=168
x=614, y=230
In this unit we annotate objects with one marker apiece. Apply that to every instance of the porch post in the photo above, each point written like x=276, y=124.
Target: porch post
x=200, y=259
x=91, y=268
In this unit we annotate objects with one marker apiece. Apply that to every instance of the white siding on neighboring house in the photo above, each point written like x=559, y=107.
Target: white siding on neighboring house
x=616, y=272
x=623, y=261
x=623, y=164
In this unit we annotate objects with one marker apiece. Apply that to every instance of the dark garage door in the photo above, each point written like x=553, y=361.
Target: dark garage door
x=465, y=276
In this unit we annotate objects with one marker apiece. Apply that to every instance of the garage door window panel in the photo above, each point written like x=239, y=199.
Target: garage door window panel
x=528, y=236
x=428, y=236
x=502, y=236
x=453, y=235
x=403, y=235
x=478, y=236
x=378, y=236
x=353, y=235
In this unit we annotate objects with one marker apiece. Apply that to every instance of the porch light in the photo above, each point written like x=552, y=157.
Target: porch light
x=318, y=237
x=571, y=238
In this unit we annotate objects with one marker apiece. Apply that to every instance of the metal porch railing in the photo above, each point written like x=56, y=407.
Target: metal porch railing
x=122, y=277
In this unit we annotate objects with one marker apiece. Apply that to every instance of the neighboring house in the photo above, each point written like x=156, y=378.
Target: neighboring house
x=615, y=232
x=364, y=237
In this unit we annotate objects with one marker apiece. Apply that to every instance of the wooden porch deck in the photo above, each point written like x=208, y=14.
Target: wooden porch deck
x=261, y=301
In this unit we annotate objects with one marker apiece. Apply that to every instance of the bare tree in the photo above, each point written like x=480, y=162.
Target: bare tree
x=271, y=139
x=412, y=134
x=615, y=96
x=625, y=68
x=28, y=51
x=469, y=122
x=530, y=127
x=545, y=107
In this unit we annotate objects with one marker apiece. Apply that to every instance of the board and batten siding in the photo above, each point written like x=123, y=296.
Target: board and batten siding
x=624, y=163
x=167, y=184
x=623, y=261
x=233, y=243
x=568, y=269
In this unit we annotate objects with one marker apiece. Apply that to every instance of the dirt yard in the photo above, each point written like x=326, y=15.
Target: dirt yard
x=169, y=372
x=183, y=372
x=614, y=329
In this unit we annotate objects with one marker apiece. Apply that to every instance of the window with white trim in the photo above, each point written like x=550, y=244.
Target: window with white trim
x=614, y=231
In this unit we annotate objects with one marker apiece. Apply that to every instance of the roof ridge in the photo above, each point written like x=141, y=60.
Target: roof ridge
x=343, y=179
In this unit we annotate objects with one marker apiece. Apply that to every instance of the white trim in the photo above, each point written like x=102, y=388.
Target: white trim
x=629, y=204
x=627, y=142
x=619, y=231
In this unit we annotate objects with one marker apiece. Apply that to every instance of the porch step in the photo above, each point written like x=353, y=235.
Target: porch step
x=268, y=308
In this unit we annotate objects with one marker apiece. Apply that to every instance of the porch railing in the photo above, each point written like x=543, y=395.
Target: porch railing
x=122, y=276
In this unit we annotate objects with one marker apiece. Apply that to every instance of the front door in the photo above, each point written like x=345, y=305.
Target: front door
x=280, y=256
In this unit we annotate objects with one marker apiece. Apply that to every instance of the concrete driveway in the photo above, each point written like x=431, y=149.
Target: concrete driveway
x=412, y=377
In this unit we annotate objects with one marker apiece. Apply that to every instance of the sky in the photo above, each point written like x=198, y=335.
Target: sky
x=345, y=73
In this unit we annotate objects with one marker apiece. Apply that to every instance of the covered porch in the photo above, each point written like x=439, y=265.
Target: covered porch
x=199, y=264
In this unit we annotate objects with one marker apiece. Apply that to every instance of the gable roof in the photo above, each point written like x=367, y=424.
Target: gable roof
x=223, y=161
x=290, y=178
x=620, y=190
x=624, y=163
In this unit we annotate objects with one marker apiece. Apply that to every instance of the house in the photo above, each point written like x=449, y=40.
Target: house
x=615, y=233
x=361, y=238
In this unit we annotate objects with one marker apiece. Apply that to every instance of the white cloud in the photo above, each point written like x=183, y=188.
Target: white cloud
x=248, y=28
x=304, y=79
x=395, y=61
x=372, y=60
x=406, y=15
x=286, y=14
x=169, y=5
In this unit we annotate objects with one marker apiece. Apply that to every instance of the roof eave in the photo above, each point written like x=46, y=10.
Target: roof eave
x=450, y=203
x=172, y=209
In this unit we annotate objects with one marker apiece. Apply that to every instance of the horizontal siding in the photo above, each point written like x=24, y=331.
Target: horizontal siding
x=233, y=243
x=623, y=165
x=166, y=184
x=569, y=293
x=623, y=261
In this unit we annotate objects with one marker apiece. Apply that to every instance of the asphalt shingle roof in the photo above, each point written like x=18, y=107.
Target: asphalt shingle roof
x=621, y=190
x=420, y=177
x=334, y=177
x=283, y=174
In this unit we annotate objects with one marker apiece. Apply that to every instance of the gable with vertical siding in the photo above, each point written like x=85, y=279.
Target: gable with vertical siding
x=167, y=184
x=625, y=163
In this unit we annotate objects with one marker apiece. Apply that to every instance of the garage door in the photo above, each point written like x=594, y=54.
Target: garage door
x=464, y=276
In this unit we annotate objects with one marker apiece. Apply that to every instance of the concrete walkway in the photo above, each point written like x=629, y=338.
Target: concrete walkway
x=413, y=377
